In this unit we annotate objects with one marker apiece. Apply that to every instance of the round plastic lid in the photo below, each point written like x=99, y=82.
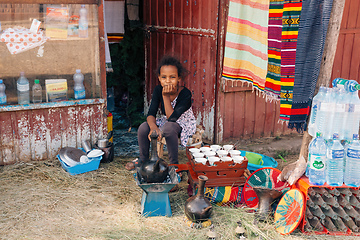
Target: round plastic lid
x=289, y=212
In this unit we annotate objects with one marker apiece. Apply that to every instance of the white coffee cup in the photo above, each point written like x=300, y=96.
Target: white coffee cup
x=210, y=154
x=213, y=160
x=226, y=159
x=238, y=159
x=205, y=149
x=194, y=150
x=215, y=147
x=228, y=147
x=234, y=153
x=198, y=155
x=201, y=160
x=222, y=153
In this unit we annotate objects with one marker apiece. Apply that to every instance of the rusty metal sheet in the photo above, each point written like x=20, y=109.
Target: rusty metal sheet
x=347, y=60
x=187, y=29
x=38, y=134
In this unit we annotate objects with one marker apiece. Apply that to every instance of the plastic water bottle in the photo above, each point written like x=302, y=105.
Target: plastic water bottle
x=23, y=89
x=352, y=167
x=316, y=102
x=83, y=22
x=339, y=81
x=352, y=110
x=325, y=113
x=2, y=93
x=79, y=89
x=339, y=116
x=317, y=160
x=335, y=162
x=36, y=92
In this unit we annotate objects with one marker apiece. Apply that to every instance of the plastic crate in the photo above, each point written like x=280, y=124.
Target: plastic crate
x=221, y=174
x=81, y=167
x=304, y=186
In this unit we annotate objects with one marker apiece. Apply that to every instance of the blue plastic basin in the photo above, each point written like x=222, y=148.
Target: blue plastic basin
x=268, y=162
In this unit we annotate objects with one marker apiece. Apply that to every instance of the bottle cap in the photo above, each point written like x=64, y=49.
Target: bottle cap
x=350, y=86
x=1, y=81
x=36, y=81
x=78, y=70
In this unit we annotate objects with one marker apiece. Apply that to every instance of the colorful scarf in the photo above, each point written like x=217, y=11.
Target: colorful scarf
x=273, y=81
x=291, y=17
x=314, y=22
x=245, y=57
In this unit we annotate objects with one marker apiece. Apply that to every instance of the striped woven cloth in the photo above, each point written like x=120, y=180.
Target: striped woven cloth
x=245, y=57
x=314, y=22
x=273, y=81
x=223, y=195
x=290, y=27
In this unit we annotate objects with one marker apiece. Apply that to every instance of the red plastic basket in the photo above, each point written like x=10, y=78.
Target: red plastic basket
x=304, y=185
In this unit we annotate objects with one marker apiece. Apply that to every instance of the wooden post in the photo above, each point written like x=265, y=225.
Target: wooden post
x=327, y=60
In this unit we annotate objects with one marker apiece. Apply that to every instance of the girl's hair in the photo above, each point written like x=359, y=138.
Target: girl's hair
x=172, y=61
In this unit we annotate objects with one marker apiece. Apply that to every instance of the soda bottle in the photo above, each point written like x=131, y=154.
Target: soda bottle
x=36, y=92
x=79, y=89
x=335, y=162
x=2, y=93
x=83, y=23
x=317, y=160
x=352, y=167
x=23, y=89
x=316, y=102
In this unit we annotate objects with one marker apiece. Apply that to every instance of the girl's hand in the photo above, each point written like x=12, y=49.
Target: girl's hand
x=158, y=132
x=169, y=89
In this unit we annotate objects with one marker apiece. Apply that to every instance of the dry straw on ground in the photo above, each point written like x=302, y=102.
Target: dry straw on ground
x=39, y=200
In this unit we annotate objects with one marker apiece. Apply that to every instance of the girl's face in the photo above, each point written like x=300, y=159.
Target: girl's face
x=169, y=76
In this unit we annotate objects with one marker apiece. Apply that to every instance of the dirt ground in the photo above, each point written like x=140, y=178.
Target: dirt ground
x=39, y=200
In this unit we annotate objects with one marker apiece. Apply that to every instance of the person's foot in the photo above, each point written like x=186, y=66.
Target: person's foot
x=131, y=165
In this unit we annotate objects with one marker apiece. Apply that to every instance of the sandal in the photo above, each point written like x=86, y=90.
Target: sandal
x=132, y=165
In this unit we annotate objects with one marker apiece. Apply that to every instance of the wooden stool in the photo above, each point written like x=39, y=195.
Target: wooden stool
x=195, y=138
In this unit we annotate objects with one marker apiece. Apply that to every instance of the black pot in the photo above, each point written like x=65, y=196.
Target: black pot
x=198, y=208
x=155, y=169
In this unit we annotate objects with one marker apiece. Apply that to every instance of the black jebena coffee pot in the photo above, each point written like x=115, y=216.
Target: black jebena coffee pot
x=155, y=169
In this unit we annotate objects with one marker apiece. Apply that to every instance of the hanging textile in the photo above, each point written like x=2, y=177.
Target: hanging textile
x=273, y=81
x=314, y=22
x=291, y=17
x=245, y=57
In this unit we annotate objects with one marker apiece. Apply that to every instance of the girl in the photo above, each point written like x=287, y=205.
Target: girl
x=176, y=119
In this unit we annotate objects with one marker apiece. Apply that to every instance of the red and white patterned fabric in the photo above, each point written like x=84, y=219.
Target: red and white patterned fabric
x=20, y=40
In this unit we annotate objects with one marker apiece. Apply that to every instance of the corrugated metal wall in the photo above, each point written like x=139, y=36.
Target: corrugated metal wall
x=188, y=30
x=39, y=134
x=195, y=31
x=347, y=57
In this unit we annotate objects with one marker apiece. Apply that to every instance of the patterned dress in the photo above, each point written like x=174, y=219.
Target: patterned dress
x=186, y=121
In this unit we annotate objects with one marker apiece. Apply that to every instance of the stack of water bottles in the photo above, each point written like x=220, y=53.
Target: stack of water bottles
x=334, y=118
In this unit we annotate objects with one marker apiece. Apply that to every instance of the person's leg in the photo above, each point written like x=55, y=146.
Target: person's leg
x=171, y=131
x=144, y=144
x=143, y=141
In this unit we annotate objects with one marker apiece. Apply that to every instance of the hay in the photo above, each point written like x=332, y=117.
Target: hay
x=39, y=200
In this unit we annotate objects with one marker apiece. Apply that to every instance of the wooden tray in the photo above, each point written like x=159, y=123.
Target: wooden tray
x=221, y=174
